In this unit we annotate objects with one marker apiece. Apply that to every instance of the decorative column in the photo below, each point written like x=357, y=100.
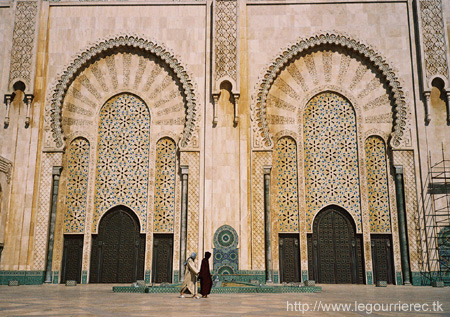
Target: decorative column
x=427, y=103
x=184, y=204
x=267, y=223
x=56, y=173
x=400, y=195
x=28, y=100
x=8, y=100
x=448, y=106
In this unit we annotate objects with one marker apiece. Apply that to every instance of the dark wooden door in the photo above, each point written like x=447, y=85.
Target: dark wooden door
x=289, y=258
x=334, y=248
x=72, y=258
x=162, y=258
x=117, y=250
x=382, y=258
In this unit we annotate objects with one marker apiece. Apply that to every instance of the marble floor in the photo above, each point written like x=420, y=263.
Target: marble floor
x=99, y=300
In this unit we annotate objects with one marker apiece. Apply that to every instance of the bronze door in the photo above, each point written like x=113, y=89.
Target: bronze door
x=117, y=250
x=335, y=248
x=162, y=258
x=382, y=258
x=72, y=258
x=289, y=258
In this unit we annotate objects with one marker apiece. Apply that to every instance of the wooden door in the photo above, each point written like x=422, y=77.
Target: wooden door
x=289, y=258
x=117, y=250
x=334, y=248
x=382, y=258
x=72, y=258
x=162, y=258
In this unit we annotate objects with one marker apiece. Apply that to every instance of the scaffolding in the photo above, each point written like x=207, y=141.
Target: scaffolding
x=434, y=223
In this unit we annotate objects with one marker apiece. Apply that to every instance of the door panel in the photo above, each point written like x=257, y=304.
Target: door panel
x=72, y=258
x=289, y=258
x=382, y=258
x=334, y=249
x=118, y=250
x=162, y=258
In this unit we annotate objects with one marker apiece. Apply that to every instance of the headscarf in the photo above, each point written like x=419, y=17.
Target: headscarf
x=207, y=255
x=193, y=256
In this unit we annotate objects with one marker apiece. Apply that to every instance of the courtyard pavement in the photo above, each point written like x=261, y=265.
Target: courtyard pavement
x=99, y=300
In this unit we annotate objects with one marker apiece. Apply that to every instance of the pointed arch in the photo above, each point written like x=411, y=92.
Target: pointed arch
x=85, y=57
x=375, y=59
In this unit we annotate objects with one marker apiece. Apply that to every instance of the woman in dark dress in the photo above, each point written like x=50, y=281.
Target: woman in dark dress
x=205, y=276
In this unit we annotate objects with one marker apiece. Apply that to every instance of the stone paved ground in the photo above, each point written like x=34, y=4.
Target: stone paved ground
x=45, y=300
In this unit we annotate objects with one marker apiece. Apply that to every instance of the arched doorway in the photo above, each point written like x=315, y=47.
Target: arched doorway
x=118, y=250
x=335, y=248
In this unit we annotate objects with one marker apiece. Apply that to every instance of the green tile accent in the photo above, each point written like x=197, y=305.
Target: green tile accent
x=242, y=276
x=129, y=289
x=84, y=277
x=175, y=288
x=416, y=278
x=147, y=276
x=399, y=278
x=24, y=277
x=304, y=275
x=175, y=276
x=55, y=277
x=276, y=277
x=369, y=278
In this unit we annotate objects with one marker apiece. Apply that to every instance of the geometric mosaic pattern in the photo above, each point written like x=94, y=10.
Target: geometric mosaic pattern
x=123, y=157
x=433, y=34
x=377, y=185
x=287, y=194
x=226, y=39
x=165, y=185
x=226, y=254
x=77, y=182
x=444, y=249
x=331, y=156
x=260, y=159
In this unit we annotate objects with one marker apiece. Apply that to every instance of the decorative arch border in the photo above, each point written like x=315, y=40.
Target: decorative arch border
x=337, y=39
x=65, y=79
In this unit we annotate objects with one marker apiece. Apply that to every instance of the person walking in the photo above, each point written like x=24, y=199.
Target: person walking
x=190, y=277
x=205, y=276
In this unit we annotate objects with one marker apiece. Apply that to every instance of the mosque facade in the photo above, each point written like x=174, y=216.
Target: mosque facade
x=294, y=140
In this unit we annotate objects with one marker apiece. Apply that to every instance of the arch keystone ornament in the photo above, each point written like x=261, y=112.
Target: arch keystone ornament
x=339, y=40
x=95, y=50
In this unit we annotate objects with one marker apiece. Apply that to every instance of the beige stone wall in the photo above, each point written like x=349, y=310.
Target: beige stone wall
x=73, y=28
x=225, y=174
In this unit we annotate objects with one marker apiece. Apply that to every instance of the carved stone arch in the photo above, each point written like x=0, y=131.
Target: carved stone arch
x=377, y=133
x=335, y=90
x=81, y=135
x=438, y=78
x=286, y=133
x=118, y=92
x=326, y=39
x=167, y=135
x=103, y=46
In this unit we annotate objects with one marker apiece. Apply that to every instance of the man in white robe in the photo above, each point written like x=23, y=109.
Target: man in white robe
x=190, y=277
